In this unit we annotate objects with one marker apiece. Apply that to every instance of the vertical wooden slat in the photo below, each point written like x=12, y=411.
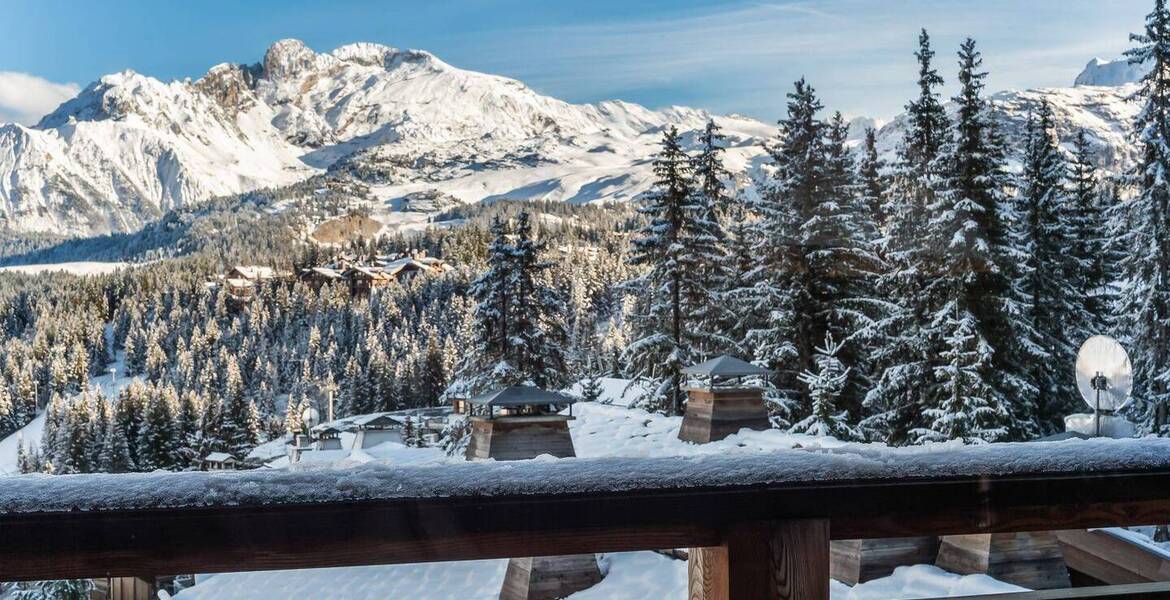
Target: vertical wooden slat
x=785, y=560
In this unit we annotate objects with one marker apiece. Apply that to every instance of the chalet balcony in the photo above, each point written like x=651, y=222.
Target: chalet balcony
x=757, y=526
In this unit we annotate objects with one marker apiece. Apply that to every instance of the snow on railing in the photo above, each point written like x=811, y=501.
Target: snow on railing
x=306, y=485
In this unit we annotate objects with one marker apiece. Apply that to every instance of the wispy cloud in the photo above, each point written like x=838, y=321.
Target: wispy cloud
x=743, y=57
x=26, y=98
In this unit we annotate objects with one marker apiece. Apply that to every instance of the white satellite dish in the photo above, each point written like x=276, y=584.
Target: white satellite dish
x=1104, y=374
x=311, y=417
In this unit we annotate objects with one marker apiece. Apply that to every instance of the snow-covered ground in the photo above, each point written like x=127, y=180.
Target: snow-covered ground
x=72, y=268
x=628, y=576
x=29, y=435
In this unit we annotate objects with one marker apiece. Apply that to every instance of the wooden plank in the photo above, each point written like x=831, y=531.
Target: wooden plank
x=707, y=574
x=1111, y=559
x=283, y=536
x=783, y=560
x=1139, y=591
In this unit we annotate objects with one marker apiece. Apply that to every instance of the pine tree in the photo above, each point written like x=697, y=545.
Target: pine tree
x=538, y=336
x=1089, y=216
x=825, y=386
x=487, y=364
x=662, y=347
x=591, y=388
x=709, y=313
x=7, y=412
x=902, y=348
x=115, y=454
x=1049, y=272
x=964, y=407
x=1144, y=305
x=842, y=253
x=973, y=252
x=781, y=290
x=158, y=436
x=872, y=181
x=75, y=438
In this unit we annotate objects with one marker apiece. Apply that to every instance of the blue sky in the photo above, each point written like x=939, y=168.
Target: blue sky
x=725, y=56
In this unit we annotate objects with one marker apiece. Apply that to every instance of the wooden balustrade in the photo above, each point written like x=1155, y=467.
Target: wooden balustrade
x=763, y=538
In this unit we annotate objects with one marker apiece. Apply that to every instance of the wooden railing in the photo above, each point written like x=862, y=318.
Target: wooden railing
x=763, y=522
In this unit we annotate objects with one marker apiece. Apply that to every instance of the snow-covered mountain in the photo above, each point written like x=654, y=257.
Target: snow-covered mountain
x=1111, y=72
x=129, y=147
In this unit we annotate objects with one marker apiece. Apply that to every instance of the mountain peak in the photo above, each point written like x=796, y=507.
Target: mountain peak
x=288, y=59
x=1111, y=73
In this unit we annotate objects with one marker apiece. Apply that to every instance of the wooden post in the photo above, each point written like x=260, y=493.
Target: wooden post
x=784, y=560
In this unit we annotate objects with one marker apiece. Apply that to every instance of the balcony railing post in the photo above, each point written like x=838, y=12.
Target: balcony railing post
x=780, y=560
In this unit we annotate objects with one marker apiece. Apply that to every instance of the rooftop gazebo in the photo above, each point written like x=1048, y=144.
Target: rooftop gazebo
x=518, y=423
x=721, y=403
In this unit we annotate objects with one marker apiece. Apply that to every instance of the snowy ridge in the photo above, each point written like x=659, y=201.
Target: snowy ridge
x=57, y=493
x=130, y=147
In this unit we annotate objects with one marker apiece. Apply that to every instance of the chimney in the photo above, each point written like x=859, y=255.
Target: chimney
x=723, y=404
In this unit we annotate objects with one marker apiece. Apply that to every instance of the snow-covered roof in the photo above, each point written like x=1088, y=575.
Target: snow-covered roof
x=725, y=366
x=219, y=457
x=522, y=395
x=322, y=271
x=255, y=272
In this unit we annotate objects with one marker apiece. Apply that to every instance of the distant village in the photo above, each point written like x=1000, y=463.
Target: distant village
x=360, y=277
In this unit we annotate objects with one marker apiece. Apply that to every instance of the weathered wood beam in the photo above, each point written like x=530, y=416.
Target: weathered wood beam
x=287, y=536
x=783, y=560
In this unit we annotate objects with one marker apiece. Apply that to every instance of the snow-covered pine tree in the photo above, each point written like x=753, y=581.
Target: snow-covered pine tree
x=1049, y=272
x=963, y=406
x=157, y=438
x=7, y=412
x=872, y=181
x=710, y=315
x=661, y=348
x=239, y=429
x=825, y=386
x=486, y=364
x=780, y=288
x=971, y=282
x=115, y=454
x=901, y=347
x=1090, y=226
x=75, y=438
x=841, y=245
x=537, y=338
x=1144, y=303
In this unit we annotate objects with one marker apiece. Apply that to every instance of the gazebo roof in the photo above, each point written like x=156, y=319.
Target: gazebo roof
x=522, y=395
x=725, y=366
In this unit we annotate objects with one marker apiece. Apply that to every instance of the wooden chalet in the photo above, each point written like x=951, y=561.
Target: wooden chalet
x=520, y=423
x=724, y=405
x=363, y=280
x=317, y=277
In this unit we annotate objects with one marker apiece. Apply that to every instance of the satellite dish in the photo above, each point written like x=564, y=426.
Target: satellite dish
x=311, y=417
x=1104, y=374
